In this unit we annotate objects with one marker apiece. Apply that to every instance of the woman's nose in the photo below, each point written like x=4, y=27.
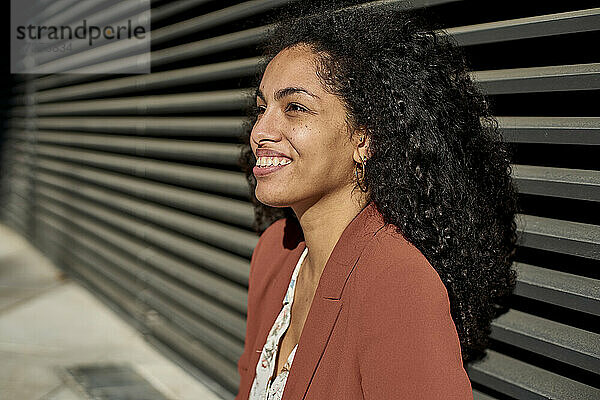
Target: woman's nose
x=266, y=127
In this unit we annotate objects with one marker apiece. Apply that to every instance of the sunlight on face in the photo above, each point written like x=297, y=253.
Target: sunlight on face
x=299, y=119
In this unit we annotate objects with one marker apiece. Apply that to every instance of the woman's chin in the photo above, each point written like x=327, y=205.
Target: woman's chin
x=271, y=199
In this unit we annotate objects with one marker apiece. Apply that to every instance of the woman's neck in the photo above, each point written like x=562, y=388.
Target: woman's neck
x=322, y=225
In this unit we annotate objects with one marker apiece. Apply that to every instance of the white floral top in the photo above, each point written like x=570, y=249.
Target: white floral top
x=262, y=387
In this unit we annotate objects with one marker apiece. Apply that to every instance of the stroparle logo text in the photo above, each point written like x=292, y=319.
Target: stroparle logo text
x=83, y=31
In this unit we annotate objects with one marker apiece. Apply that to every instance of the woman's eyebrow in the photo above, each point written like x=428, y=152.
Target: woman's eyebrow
x=285, y=92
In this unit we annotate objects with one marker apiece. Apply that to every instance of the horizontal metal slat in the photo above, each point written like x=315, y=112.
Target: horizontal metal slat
x=76, y=62
x=567, y=237
x=227, y=127
x=551, y=130
x=219, y=100
x=566, y=290
x=16, y=202
x=547, y=181
x=188, y=50
x=208, y=287
x=250, y=8
x=175, y=7
x=517, y=80
x=212, y=259
x=20, y=182
x=108, y=15
x=477, y=395
x=549, y=338
x=576, y=184
x=206, y=358
x=18, y=191
x=537, y=232
x=119, y=13
x=202, y=356
x=211, y=320
x=180, y=150
x=161, y=57
x=223, y=182
x=189, y=323
x=70, y=12
x=215, y=18
x=80, y=62
x=539, y=79
x=120, y=291
x=544, y=25
x=229, y=41
x=523, y=381
x=216, y=207
x=17, y=183
x=119, y=287
x=217, y=234
x=14, y=206
x=525, y=28
x=157, y=80
x=52, y=8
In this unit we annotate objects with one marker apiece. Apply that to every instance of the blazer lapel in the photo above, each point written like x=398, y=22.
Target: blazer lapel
x=327, y=303
x=277, y=286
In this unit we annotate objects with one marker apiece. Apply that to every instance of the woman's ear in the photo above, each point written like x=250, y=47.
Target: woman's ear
x=361, y=141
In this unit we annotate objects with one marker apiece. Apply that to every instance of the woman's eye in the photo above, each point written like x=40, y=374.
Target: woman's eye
x=295, y=107
x=290, y=107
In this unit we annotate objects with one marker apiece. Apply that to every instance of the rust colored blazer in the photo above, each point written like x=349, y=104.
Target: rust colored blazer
x=379, y=326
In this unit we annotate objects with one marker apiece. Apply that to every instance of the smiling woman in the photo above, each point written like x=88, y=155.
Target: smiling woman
x=301, y=121
x=390, y=271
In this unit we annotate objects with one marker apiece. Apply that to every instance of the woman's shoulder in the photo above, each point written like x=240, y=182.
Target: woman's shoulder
x=390, y=256
x=398, y=282
x=276, y=241
x=268, y=239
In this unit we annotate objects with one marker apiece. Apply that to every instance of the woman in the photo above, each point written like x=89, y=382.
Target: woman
x=389, y=211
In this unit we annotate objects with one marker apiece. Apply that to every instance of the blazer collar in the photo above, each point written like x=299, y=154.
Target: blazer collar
x=345, y=253
x=326, y=304
x=347, y=250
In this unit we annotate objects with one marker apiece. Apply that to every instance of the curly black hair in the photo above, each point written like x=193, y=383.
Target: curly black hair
x=439, y=170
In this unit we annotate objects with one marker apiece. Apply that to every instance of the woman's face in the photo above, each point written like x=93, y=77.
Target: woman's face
x=306, y=124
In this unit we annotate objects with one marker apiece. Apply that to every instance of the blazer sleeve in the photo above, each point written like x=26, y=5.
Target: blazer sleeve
x=408, y=344
x=242, y=364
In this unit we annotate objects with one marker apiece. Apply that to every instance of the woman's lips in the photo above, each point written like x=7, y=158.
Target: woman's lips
x=261, y=171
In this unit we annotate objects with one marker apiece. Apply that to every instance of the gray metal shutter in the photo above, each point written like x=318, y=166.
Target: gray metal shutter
x=131, y=185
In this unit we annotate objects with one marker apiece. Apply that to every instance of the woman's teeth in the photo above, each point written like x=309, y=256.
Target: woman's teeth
x=272, y=161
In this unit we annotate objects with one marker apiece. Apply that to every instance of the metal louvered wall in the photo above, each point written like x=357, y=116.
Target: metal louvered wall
x=131, y=184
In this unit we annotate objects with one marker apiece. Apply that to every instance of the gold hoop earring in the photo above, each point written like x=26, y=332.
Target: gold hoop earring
x=363, y=166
